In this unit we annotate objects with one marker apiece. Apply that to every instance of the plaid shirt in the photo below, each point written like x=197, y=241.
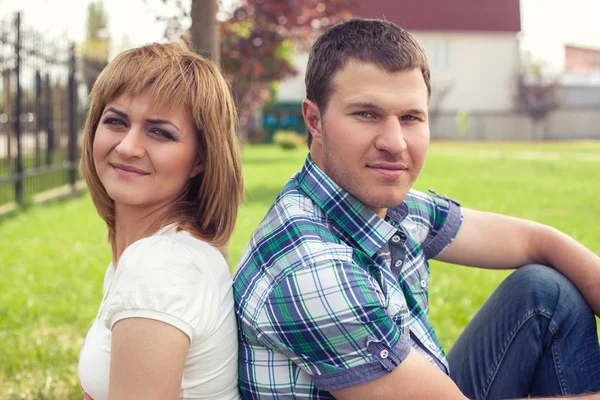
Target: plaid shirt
x=329, y=295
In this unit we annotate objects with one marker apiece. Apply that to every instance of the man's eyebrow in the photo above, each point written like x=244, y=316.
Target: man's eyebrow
x=375, y=107
x=365, y=106
x=418, y=111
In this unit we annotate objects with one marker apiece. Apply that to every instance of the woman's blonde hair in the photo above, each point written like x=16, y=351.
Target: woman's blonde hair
x=177, y=77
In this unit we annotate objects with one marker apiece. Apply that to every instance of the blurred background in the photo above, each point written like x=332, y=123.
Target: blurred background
x=514, y=117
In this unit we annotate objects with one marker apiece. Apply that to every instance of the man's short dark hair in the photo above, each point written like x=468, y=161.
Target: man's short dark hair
x=367, y=40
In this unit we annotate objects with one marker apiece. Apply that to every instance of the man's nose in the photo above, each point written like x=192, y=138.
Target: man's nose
x=391, y=136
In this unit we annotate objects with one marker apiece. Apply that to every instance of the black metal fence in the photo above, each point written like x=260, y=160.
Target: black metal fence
x=39, y=125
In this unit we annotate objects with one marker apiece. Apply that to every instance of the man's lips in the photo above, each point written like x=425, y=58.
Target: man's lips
x=128, y=170
x=389, y=170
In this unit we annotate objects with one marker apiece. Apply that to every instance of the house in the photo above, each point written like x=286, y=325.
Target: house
x=580, y=80
x=472, y=47
x=582, y=60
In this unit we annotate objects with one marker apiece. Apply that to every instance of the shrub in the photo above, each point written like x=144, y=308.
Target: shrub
x=289, y=140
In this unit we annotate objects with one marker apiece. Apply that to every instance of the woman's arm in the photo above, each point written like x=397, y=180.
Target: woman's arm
x=147, y=360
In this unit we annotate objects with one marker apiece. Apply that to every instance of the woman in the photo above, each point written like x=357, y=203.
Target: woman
x=162, y=164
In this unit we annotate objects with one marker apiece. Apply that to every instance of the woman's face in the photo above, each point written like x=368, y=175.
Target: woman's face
x=145, y=156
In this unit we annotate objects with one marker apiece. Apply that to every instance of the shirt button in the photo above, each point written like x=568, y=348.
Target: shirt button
x=398, y=264
x=432, y=346
x=423, y=284
x=384, y=354
x=395, y=238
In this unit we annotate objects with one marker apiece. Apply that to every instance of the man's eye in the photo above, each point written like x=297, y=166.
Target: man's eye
x=408, y=118
x=364, y=114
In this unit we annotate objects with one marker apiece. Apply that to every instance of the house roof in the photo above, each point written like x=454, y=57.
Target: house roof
x=447, y=15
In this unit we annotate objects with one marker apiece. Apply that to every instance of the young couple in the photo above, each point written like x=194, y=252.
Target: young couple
x=331, y=292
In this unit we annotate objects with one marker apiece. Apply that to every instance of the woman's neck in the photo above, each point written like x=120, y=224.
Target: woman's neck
x=133, y=223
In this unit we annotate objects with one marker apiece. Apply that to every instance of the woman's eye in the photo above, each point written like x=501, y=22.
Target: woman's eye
x=162, y=134
x=113, y=121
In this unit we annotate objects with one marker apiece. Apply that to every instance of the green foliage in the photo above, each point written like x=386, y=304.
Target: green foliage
x=462, y=121
x=96, y=46
x=97, y=20
x=289, y=140
x=53, y=257
x=97, y=42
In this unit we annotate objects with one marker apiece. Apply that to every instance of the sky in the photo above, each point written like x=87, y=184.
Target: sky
x=546, y=24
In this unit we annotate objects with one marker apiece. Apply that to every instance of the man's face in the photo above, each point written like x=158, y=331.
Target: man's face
x=374, y=135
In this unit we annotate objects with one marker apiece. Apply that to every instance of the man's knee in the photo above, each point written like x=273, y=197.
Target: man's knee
x=548, y=287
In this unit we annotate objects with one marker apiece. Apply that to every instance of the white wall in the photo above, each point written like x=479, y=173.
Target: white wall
x=479, y=69
x=562, y=124
x=293, y=89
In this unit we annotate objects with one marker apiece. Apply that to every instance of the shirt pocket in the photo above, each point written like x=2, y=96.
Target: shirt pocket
x=397, y=308
x=418, y=283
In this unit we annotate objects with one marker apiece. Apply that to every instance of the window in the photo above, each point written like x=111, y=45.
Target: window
x=438, y=54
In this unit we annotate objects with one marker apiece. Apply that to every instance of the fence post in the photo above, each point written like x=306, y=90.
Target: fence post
x=72, y=89
x=49, y=118
x=38, y=118
x=17, y=115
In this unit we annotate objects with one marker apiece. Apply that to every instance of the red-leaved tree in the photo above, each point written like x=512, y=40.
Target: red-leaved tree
x=258, y=39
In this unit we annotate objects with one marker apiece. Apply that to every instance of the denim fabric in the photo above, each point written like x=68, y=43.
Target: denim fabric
x=535, y=336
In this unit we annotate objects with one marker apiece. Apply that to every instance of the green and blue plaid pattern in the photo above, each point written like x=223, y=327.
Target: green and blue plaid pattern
x=329, y=295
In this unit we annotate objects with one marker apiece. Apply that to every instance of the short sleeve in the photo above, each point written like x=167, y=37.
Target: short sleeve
x=162, y=279
x=331, y=320
x=437, y=219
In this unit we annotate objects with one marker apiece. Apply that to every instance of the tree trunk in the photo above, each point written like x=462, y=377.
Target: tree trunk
x=205, y=38
x=205, y=30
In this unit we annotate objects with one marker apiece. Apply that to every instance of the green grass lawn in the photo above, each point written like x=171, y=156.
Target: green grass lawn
x=53, y=256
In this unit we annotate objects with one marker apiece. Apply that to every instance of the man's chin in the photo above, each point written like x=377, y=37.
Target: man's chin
x=384, y=201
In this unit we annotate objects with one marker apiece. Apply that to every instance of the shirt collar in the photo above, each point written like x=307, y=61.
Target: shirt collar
x=366, y=228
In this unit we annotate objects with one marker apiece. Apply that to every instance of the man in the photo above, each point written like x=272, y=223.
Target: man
x=331, y=292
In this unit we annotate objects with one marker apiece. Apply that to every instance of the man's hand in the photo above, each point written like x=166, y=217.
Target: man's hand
x=488, y=240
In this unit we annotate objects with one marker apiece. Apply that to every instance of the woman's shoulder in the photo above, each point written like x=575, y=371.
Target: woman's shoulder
x=172, y=277
x=169, y=247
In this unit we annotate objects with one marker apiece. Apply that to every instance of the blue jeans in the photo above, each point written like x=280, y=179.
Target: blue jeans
x=535, y=336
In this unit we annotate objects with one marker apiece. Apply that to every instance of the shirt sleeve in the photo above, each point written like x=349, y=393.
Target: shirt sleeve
x=162, y=279
x=331, y=319
x=438, y=218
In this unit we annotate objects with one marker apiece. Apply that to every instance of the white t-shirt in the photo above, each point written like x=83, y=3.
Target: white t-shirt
x=177, y=279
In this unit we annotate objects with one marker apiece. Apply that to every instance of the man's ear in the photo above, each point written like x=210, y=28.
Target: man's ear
x=312, y=119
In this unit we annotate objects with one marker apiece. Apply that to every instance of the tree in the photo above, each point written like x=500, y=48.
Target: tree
x=436, y=103
x=258, y=40
x=537, y=95
x=95, y=47
x=204, y=31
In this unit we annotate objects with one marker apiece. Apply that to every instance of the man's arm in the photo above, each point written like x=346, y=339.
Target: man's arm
x=488, y=240
x=414, y=379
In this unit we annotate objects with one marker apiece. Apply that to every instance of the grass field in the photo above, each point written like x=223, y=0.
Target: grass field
x=53, y=256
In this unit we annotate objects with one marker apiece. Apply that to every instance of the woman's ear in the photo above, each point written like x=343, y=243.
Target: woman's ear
x=198, y=167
